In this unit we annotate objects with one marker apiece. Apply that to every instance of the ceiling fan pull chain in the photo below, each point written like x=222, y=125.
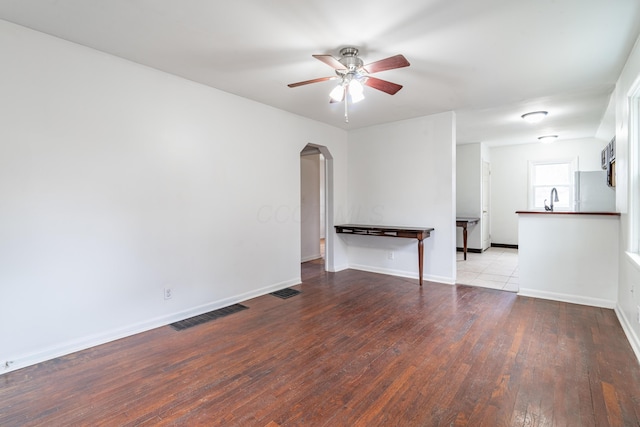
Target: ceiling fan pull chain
x=346, y=109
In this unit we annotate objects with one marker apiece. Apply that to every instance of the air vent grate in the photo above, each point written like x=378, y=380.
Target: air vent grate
x=285, y=293
x=206, y=317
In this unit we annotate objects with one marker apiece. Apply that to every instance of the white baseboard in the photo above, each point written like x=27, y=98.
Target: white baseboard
x=311, y=257
x=628, y=331
x=574, y=299
x=22, y=361
x=401, y=273
x=340, y=267
x=440, y=279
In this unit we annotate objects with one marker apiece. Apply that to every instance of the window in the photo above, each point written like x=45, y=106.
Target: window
x=544, y=177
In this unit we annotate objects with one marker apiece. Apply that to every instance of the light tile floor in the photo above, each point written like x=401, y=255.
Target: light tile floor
x=495, y=268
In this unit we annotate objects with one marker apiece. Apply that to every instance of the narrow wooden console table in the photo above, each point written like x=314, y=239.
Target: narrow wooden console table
x=419, y=233
x=464, y=222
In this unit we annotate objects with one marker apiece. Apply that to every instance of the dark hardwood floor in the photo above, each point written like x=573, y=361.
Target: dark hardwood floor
x=353, y=349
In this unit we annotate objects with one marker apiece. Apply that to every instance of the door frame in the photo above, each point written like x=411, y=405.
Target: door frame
x=486, y=214
x=329, y=238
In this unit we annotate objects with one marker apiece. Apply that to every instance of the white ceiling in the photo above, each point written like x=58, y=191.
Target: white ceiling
x=488, y=60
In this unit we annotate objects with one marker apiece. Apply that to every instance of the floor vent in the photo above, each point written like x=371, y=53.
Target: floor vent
x=203, y=318
x=285, y=293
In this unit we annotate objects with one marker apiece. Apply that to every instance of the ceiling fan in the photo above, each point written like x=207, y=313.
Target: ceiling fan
x=353, y=75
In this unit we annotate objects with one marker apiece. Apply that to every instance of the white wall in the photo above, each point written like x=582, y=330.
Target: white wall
x=117, y=180
x=510, y=175
x=310, y=207
x=323, y=195
x=469, y=192
x=629, y=283
x=403, y=173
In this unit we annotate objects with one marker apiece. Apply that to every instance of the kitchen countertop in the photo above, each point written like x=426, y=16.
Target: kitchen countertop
x=568, y=213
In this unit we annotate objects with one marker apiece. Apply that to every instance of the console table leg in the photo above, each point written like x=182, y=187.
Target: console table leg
x=420, y=259
x=464, y=239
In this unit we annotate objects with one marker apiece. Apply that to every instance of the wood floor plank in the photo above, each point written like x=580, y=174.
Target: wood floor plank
x=354, y=348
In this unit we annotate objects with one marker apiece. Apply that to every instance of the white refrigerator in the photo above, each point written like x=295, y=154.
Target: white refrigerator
x=592, y=194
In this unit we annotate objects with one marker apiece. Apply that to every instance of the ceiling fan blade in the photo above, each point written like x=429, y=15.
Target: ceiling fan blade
x=330, y=61
x=306, y=82
x=383, y=85
x=390, y=63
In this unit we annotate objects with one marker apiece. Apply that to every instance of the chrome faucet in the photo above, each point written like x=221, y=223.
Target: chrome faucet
x=550, y=207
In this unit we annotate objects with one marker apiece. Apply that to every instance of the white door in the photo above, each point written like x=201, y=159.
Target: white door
x=486, y=189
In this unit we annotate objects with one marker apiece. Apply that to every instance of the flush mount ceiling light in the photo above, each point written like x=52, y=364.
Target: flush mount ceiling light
x=354, y=75
x=547, y=138
x=535, y=116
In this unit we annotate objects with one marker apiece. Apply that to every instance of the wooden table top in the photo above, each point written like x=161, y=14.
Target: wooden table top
x=468, y=220
x=383, y=228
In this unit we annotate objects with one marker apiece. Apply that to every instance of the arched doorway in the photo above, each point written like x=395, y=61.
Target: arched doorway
x=316, y=199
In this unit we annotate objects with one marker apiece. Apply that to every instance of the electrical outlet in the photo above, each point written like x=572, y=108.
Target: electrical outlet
x=168, y=293
x=638, y=314
x=391, y=255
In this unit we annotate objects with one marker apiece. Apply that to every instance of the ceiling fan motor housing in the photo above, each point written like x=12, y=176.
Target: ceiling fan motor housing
x=350, y=58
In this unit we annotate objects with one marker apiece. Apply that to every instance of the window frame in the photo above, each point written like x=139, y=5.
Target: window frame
x=634, y=168
x=573, y=167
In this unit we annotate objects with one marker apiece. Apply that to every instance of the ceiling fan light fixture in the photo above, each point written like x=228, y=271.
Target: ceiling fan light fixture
x=337, y=94
x=534, y=116
x=546, y=139
x=356, y=91
x=357, y=97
